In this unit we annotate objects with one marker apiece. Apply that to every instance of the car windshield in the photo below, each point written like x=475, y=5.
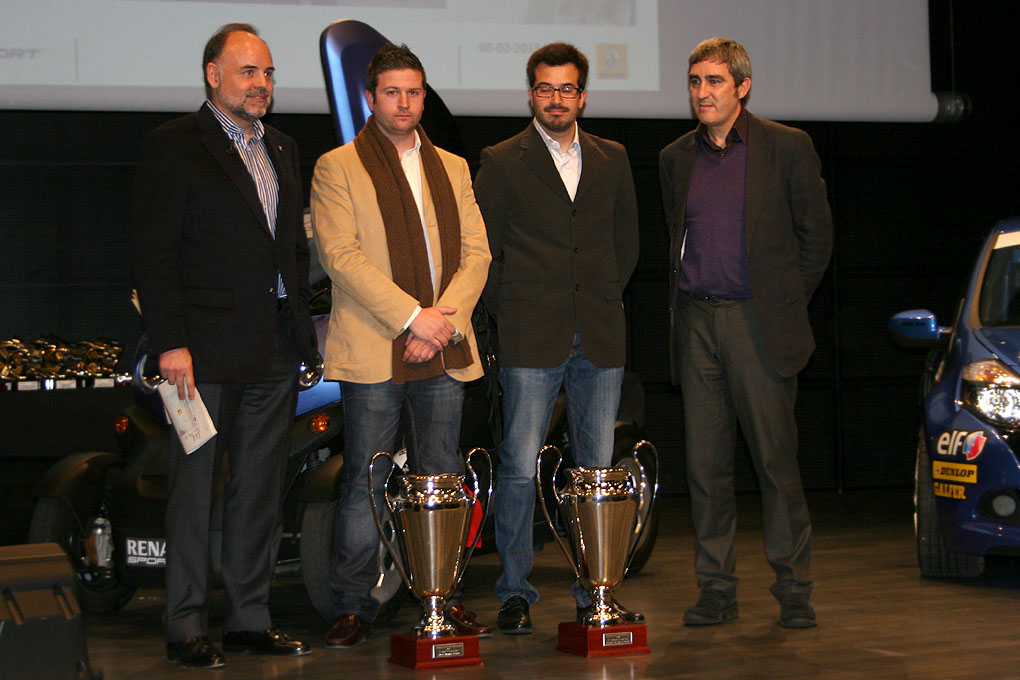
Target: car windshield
x=999, y=297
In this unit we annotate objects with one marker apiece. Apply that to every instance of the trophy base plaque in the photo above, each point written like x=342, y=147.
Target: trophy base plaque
x=619, y=640
x=406, y=649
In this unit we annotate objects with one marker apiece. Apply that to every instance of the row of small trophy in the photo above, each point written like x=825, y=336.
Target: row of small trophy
x=605, y=512
x=50, y=362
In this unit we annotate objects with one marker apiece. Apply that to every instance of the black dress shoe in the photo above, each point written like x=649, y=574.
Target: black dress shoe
x=713, y=606
x=514, y=618
x=268, y=641
x=195, y=652
x=627, y=615
x=349, y=630
x=795, y=611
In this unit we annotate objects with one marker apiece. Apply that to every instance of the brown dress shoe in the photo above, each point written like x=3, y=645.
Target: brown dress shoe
x=467, y=622
x=348, y=631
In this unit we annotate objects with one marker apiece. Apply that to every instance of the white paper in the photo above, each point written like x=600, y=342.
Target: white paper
x=189, y=417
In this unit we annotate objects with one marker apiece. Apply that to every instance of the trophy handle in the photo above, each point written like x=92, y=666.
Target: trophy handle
x=541, y=501
x=646, y=498
x=375, y=512
x=476, y=487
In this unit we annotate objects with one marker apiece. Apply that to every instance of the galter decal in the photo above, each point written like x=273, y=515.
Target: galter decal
x=946, y=490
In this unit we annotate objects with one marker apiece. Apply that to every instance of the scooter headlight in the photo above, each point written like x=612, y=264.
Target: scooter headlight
x=309, y=376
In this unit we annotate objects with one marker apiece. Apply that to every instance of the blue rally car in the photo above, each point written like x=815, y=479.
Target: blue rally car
x=967, y=475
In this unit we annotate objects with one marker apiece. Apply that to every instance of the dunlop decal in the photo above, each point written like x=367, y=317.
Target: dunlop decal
x=954, y=472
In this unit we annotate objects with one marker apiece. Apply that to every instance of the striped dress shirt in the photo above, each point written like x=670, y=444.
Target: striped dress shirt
x=256, y=159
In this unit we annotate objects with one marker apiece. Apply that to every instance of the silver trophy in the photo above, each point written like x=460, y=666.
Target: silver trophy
x=605, y=512
x=432, y=515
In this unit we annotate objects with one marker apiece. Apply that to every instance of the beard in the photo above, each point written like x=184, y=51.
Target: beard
x=253, y=114
x=555, y=124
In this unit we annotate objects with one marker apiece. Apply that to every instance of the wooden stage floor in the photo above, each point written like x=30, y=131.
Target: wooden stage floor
x=877, y=617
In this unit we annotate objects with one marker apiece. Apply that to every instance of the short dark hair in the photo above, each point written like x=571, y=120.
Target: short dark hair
x=392, y=57
x=214, y=48
x=724, y=51
x=559, y=54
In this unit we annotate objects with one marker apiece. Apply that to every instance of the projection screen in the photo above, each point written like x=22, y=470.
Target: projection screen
x=849, y=60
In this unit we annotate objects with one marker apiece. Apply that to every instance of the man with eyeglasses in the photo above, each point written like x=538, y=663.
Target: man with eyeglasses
x=561, y=216
x=399, y=233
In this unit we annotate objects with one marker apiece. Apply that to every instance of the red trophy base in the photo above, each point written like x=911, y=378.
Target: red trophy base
x=623, y=640
x=414, y=652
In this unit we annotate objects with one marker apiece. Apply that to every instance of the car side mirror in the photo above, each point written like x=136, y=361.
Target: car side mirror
x=916, y=328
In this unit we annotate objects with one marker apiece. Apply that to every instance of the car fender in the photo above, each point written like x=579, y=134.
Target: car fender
x=323, y=484
x=78, y=479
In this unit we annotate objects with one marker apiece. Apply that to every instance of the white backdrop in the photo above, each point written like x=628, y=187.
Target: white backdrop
x=812, y=59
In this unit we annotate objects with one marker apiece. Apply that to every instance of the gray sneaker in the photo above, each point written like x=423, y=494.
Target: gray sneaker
x=714, y=606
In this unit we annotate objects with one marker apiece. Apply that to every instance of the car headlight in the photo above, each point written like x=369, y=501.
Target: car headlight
x=992, y=391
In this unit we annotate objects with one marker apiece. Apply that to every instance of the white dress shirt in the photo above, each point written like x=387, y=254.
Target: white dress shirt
x=567, y=164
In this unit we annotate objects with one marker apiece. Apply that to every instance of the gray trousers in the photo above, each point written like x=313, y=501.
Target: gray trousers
x=727, y=380
x=253, y=422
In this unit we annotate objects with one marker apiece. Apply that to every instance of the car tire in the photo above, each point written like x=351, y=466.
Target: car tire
x=317, y=526
x=932, y=557
x=53, y=521
x=626, y=437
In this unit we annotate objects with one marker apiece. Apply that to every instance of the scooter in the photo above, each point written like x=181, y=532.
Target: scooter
x=107, y=508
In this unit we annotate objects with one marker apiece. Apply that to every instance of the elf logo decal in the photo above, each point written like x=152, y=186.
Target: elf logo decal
x=971, y=444
x=950, y=491
x=146, y=553
x=954, y=472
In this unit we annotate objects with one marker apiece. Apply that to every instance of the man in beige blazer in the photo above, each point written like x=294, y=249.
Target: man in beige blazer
x=400, y=336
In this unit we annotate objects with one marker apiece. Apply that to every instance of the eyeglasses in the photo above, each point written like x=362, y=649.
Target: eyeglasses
x=566, y=91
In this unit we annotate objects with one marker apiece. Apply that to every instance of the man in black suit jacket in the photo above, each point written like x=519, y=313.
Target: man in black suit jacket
x=561, y=215
x=750, y=238
x=221, y=269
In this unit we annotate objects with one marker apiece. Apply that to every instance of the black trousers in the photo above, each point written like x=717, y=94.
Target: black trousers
x=253, y=423
x=727, y=380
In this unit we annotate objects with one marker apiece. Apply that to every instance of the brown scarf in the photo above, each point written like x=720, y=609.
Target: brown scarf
x=405, y=238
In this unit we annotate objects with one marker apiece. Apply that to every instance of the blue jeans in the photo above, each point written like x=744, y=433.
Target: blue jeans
x=371, y=419
x=529, y=394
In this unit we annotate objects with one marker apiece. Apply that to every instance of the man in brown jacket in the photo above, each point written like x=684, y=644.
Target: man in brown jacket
x=398, y=231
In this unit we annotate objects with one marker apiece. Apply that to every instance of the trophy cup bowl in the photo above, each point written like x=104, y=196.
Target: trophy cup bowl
x=12, y=359
x=600, y=507
x=432, y=517
x=605, y=512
